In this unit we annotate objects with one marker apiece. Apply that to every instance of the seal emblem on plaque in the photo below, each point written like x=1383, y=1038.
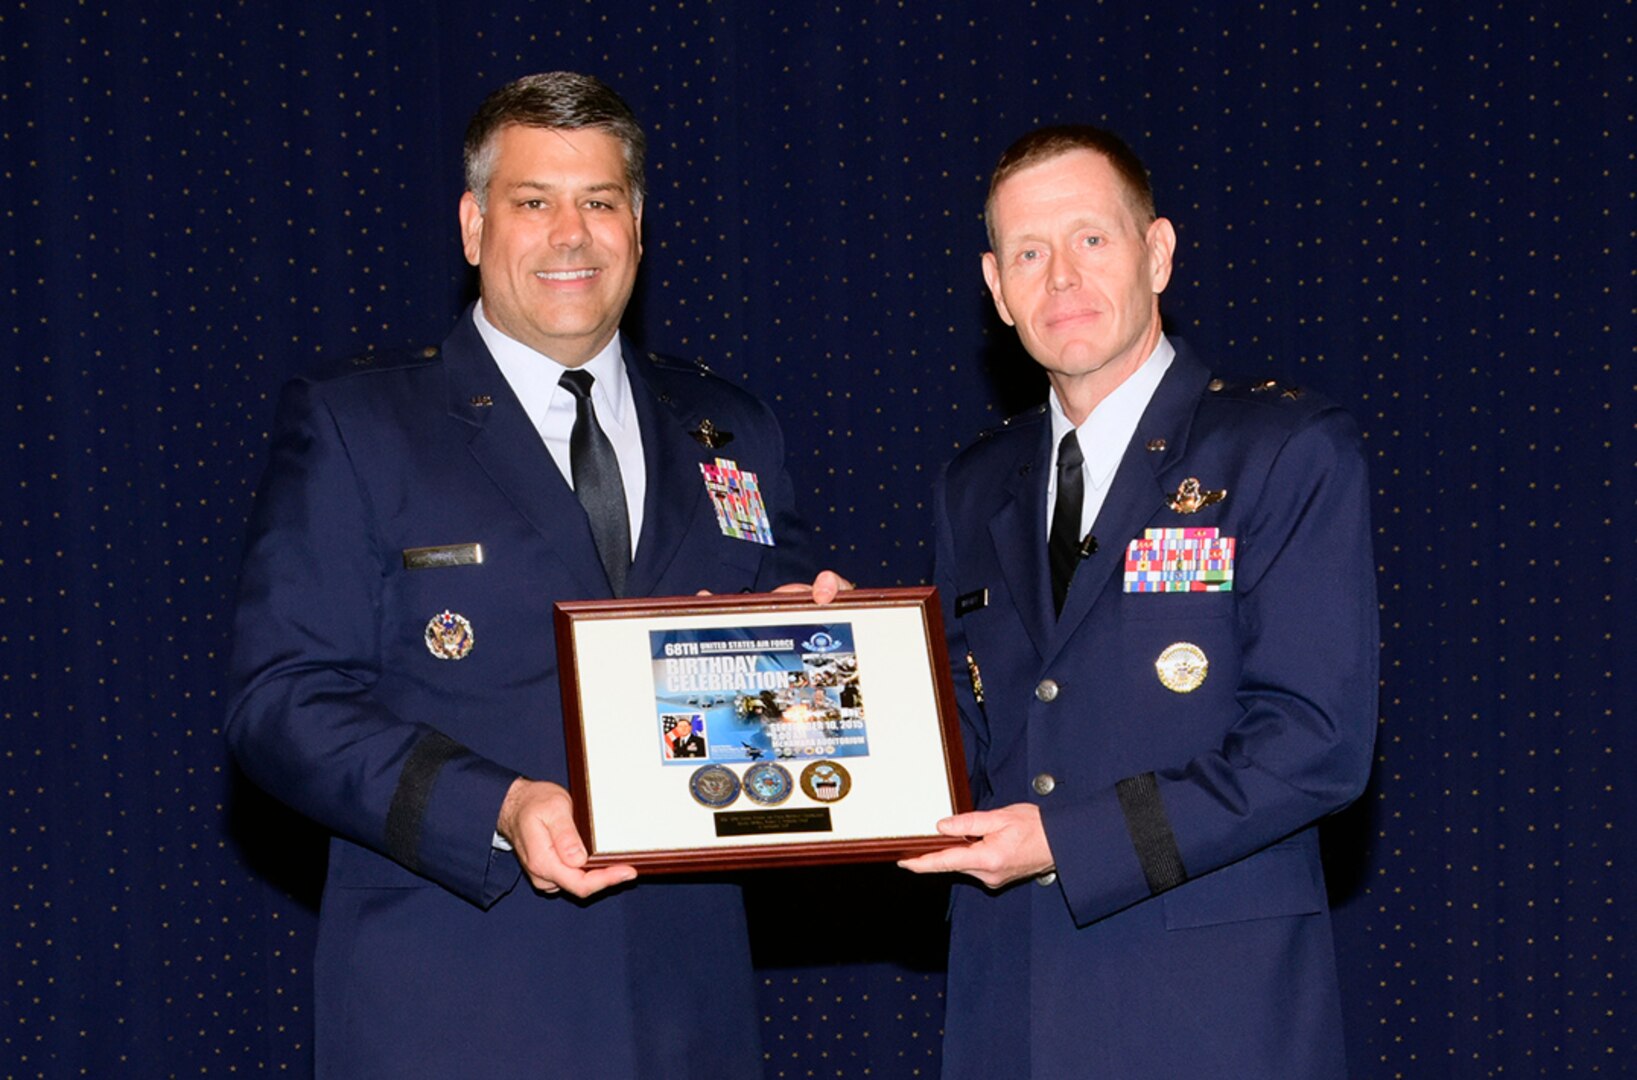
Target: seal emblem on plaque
x=714, y=786
x=768, y=783
x=826, y=781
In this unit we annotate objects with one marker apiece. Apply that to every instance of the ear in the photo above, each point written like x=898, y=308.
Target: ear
x=471, y=227
x=1162, y=243
x=991, y=277
x=637, y=214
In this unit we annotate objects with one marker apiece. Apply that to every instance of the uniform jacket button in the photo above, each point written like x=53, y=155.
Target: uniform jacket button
x=1048, y=878
x=1046, y=690
x=1045, y=784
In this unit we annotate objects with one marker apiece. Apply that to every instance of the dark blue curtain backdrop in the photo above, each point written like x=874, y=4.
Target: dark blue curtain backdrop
x=1425, y=210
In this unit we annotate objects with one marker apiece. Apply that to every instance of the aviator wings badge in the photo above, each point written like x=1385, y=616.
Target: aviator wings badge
x=1190, y=496
x=710, y=436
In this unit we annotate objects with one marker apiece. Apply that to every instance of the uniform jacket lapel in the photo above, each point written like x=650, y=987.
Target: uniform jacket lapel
x=509, y=449
x=676, y=489
x=1137, y=495
x=1021, y=520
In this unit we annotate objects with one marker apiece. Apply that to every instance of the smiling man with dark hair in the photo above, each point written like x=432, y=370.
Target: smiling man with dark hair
x=394, y=670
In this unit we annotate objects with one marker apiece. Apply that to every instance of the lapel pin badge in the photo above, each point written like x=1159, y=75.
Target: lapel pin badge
x=1190, y=497
x=710, y=436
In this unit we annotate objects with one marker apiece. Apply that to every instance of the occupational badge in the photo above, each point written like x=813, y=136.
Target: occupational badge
x=449, y=636
x=1190, y=497
x=714, y=786
x=737, y=497
x=710, y=436
x=826, y=781
x=1182, y=667
x=768, y=783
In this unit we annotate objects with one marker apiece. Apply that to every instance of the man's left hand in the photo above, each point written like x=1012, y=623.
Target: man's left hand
x=826, y=587
x=1011, y=844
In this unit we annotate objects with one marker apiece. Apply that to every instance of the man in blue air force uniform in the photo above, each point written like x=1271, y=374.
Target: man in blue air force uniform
x=395, y=670
x=1162, y=620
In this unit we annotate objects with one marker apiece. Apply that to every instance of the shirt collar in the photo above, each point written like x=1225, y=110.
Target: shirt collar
x=532, y=373
x=1108, y=430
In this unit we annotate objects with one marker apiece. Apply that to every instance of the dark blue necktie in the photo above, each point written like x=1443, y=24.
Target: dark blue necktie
x=1063, y=548
x=596, y=473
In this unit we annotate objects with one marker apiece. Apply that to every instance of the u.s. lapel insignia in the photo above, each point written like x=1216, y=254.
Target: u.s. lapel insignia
x=1182, y=667
x=1190, y=497
x=449, y=636
x=710, y=436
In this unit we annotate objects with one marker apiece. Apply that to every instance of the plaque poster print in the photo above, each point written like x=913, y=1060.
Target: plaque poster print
x=761, y=693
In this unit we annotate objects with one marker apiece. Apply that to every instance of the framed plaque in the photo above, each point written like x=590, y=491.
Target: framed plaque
x=716, y=732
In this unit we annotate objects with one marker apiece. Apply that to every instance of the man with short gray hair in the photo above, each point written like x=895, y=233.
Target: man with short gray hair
x=1160, y=603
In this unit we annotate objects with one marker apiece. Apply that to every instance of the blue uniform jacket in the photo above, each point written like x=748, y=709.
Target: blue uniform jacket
x=1186, y=931
x=435, y=959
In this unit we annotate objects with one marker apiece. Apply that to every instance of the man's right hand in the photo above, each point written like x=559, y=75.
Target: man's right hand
x=537, y=820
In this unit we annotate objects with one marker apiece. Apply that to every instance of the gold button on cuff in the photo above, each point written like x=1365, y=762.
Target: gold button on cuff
x=1045, y=784
x=1046, y=690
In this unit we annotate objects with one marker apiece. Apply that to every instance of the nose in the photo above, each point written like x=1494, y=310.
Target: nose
x=567, y=227
x=1062, y=274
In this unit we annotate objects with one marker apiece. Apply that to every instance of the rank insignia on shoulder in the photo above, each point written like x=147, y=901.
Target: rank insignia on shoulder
x=1190, y=497
x=737, y=496
x=710, y=436
x=449, y=636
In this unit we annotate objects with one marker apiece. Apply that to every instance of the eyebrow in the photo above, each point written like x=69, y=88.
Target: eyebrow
x=1076, y=225
x=541, y=185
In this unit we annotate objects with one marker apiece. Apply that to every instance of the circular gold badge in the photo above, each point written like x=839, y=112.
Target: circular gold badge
x=449, y=636
x=1182, y=667
x=826, y=781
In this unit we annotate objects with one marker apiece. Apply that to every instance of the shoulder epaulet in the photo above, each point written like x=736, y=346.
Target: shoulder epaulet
x=672, y=363
x=381, y=360
x=1015, y=420
x=1256, y=389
